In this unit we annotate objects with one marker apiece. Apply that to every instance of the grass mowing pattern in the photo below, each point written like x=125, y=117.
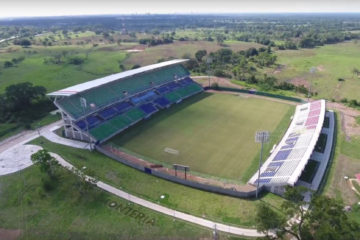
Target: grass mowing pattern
x=214, y=133
x=220, y=208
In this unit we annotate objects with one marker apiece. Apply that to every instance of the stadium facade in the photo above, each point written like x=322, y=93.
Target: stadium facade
x=302, y=156
x=95, y=111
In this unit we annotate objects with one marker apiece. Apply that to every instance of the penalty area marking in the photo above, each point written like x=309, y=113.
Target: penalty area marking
x=171, y=151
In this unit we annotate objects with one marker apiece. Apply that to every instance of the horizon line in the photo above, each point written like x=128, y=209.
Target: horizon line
x=175, y=13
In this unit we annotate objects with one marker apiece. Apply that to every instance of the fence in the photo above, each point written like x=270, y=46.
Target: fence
x=254, y=92
x=201, y=186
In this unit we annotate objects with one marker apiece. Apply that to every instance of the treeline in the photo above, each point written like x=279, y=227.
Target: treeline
x=284, y=31
x=243, y=66
x=165, y=39
x=23, y=103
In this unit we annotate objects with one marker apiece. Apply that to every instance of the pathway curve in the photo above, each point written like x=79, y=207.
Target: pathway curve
x=16, y=147
x=167, y=211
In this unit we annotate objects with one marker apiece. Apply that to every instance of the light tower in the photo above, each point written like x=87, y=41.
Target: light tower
x=261, y=137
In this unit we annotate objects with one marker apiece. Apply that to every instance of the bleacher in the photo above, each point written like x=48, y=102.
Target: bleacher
x=115, y=91
x=119, y=104
x=288, y=160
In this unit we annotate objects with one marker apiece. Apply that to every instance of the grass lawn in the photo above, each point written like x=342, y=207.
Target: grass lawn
x=213, y=133
x=56, y=76
x=180, y=49
x=331, y=61
x=346, y=163
x=220, y=208
x=63, y=213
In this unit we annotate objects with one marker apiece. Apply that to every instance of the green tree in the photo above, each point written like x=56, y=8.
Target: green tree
x=46, y=162
x=200, y=54
x=325, y=219
x=20, y=96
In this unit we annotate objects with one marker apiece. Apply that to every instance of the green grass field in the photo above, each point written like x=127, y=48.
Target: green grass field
x=214, y=133
x=100, y=62
x=182, y=49
x=346, y=163
x=331, y=61
x=63, y=213
x=230, y=210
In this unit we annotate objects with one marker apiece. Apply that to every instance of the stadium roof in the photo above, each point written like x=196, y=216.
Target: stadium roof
x=114, y=77
x=288, y=160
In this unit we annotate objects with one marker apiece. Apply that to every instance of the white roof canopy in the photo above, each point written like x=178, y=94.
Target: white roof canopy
x=288, y=160
x=114, y=77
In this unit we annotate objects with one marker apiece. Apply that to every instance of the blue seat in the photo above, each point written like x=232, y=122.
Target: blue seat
x=122, y=107
x=81, y=124
x=162, y=102
x=93, y=121
x=162, y=89
x=143, y=97
x=108, y=113
x=148, y=108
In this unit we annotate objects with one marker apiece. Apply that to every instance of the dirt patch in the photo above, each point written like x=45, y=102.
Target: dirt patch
x=320, y=68
x=9, y=234
x=348, y=119
x=279, y=69
x=300, y=81
x=224, y=82
x=134, y=50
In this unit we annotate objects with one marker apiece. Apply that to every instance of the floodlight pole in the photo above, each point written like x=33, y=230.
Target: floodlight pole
x=261, y=136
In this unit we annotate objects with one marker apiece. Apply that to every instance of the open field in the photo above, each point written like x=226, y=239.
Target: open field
x=346, y=163
x=219, y=208
x=180, y=49
x=331, y=63
x=63, y=213
x=213, y=133
x=99, y=62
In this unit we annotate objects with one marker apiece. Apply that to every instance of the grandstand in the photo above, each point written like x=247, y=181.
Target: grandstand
x=296, y=151
x=99, y=109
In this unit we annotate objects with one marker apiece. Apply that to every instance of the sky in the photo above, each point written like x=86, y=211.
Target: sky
x=18, y=8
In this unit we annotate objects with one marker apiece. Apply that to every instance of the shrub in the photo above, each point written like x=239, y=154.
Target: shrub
x=76, y=60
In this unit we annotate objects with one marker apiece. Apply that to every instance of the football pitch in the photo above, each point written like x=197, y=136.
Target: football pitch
x=211, y=133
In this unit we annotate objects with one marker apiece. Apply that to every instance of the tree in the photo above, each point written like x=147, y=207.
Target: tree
x=8, y=64
x=325, y=219
x=23, y=42
x=200, y=54
x=46, y=162
x=356, y=71
x=85, y=180
x=220, y=39
x=20, y=96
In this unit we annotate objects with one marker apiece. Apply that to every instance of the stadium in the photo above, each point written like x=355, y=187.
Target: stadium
x=158, y=120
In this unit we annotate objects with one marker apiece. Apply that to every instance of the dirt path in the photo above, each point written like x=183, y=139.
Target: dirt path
x=348, y=119
x=9, y=234
x=220, y=81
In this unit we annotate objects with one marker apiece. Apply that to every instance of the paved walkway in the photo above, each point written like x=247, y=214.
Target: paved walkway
x=14, y=149
x=167, y=211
